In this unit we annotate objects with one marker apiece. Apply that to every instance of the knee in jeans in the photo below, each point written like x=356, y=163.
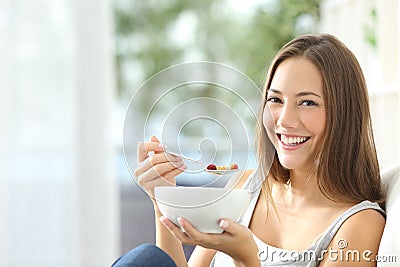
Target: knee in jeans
x=144, y=255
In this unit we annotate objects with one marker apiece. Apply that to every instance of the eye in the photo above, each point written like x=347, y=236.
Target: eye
x=308, y=103
x=273, y=99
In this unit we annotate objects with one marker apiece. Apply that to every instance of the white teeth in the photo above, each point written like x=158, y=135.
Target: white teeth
x=292, y=140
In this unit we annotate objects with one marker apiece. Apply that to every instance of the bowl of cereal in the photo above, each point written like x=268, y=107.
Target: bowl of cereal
x=203, y=207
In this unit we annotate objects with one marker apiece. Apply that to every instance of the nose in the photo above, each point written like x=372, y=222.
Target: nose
x=287, y=117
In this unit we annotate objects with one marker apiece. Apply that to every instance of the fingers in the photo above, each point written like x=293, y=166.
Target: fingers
x=199, y=238
x=211, y=240
x=236, y=241
x=155, y=167
x=228, y=225
x=155, y=160
x=154, y=139
x=190, y=231
x=176, y=231
x=167, y=171
x=170, y=176
x=144, y=148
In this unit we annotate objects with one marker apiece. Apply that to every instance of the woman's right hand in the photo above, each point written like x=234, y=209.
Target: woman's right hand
x=156, y=168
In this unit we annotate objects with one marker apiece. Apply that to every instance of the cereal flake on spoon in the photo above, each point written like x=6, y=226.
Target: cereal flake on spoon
x=221, y=169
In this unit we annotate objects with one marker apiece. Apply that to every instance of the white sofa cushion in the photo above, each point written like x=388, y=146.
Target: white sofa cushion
x=390, y=242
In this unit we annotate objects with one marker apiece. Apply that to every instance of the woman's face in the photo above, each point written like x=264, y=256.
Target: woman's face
x=296, y=103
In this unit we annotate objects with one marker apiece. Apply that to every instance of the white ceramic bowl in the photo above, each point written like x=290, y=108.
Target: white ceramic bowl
x=203, y=207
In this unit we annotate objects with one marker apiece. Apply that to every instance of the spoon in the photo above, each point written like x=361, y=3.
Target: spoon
x=216, y=172
x=184, y=157
x=221, y=172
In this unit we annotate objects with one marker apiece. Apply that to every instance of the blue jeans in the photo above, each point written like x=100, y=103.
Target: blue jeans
x=147, y=255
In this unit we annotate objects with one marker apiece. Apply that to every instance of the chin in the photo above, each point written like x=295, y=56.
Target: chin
x=291, y=164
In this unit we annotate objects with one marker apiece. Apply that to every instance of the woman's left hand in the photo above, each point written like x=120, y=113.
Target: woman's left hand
x=236, y=240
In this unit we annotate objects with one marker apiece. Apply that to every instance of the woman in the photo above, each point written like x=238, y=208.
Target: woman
x=319, y=203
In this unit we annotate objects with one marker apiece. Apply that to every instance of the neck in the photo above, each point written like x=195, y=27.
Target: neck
x=301, y=191
x=302, y=183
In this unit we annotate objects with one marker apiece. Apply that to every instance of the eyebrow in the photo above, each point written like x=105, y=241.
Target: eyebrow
x=304, y=93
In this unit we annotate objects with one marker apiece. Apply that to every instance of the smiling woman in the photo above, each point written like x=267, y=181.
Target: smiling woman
x=297, y=106
x=314, y=65
x=323, y=191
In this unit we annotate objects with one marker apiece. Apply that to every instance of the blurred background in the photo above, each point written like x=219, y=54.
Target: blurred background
x=69, y=68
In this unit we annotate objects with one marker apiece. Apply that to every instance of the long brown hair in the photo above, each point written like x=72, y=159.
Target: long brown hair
x=347, y=166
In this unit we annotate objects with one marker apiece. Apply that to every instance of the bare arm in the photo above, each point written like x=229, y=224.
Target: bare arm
x=156, y=169
x=167, y=242
x=357, y=241
x=201, y=257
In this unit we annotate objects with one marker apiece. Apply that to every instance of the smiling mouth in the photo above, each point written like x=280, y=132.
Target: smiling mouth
x=292, y=140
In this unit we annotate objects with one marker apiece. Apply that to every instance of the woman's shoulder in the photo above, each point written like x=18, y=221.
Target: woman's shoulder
x=360, y=233
x=365, y=224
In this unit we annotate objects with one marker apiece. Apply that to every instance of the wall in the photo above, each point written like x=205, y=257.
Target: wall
x=348, y=20
x=58, y=190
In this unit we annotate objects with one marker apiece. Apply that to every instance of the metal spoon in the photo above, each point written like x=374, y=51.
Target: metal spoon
x=187, y=158
x=216, y=172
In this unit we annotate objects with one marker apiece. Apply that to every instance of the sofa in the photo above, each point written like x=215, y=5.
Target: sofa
x=389, y=249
